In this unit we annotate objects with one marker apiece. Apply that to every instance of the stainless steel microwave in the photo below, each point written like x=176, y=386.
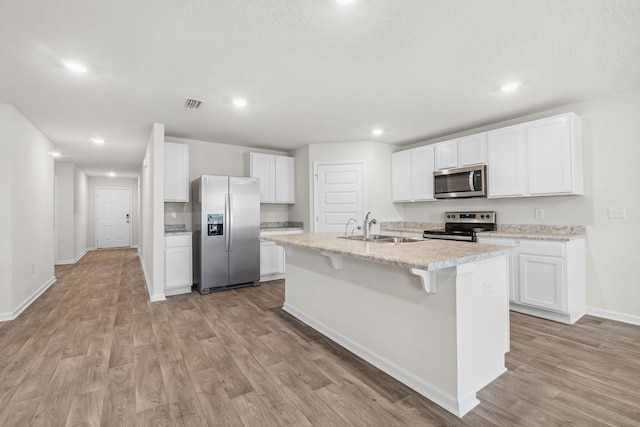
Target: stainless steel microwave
x=469, y=181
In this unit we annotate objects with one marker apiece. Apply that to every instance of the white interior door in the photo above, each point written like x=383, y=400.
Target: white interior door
x=113, y=217
x=339, y=195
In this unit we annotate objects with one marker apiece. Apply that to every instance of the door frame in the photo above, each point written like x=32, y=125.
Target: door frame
x=96, y=210
x=314, y=210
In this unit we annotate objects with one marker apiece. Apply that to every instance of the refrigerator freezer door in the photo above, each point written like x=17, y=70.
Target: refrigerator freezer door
x=214, y=269
x=244, y=240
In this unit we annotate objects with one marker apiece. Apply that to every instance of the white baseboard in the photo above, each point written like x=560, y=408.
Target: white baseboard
x=458, y=407
x=72, y=261
x=152, y=297
x=613, y=315
x=11, y=316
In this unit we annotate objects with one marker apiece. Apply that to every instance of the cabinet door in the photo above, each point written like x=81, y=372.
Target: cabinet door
x=285, y=178
x=422, y=163
x=549, y=156
x=471, y=149
x=271, y=259
x=263, y=166
x=505, y=165
x=176, y=172
x=541, y=281
x=178, y=266
x=401, y=176
x=446, y=154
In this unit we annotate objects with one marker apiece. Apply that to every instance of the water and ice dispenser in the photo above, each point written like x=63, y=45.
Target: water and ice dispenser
x=215, y=224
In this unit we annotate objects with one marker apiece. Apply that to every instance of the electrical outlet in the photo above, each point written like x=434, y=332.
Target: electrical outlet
x=617, y=212
x=539, y=213
x=488, y=287
x=173, y=215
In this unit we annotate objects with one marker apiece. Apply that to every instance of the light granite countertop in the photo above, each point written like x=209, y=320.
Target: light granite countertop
x=506, y=231
x=426, y=255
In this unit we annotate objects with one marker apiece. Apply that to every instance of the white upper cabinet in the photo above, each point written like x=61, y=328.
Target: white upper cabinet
x=285, y=179
x=538, y=158
x=412, y=174
x=176, y=172
x=471, y=149
x=554, y=152
x=401, y=176
x=505, y=165
x=466, y=151
x=277, y=177
x=446, y=154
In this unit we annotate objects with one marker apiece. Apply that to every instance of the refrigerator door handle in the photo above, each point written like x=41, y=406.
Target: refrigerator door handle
x=230, y=221
x=227, y=223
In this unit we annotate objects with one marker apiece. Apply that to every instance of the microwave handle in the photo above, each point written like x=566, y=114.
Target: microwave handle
x=471, y=187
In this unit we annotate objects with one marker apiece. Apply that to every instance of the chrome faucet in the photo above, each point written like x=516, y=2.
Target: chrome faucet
x=366, y=225
x=353, y=229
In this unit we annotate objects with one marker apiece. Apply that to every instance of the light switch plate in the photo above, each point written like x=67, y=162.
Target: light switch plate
x=617, y=212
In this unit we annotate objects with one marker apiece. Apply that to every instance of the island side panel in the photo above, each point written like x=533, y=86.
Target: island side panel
x=482, y=324
x=382, y=314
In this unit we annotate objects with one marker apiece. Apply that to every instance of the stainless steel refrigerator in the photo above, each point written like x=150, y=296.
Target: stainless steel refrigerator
x=226, y=232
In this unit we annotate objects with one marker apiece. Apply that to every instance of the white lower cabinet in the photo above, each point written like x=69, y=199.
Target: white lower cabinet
x=272, y=257
x=271, y=261
x=178, y=265
x=547, y=278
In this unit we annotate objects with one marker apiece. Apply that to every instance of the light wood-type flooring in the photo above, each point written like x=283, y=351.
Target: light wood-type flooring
x=93, y=350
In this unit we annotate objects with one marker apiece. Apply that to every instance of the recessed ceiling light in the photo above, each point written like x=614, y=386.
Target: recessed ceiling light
x=511, y=86
x=98, y=140
x=56, y=154
x=239, y=102
x=345, y=1
x=76, y=67
x=377, y=131
x=112, y=174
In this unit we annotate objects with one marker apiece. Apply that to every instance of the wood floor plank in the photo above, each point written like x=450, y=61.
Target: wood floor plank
x=253, y=411
x=150, y=389
x=214, y=401
x=119, y=405
x=181, y=395
x=86, y=409
x=55, y=403
x=277, y=400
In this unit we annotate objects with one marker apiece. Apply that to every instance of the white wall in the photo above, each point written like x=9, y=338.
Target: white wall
x=151, y=213
x=106, y=182
x=27, y=193
x=64, y=221
x=611, y=138
x=212, y=158
x=80, y=212
x=6, y=255
x=377, y=157
x=71, y=213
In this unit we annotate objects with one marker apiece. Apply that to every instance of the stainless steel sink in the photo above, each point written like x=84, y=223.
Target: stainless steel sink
x=381, y=238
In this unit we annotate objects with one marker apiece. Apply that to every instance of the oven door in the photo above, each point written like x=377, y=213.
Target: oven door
x=460, y=182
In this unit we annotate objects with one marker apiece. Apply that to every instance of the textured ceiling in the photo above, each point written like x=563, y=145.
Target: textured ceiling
x=313, y=71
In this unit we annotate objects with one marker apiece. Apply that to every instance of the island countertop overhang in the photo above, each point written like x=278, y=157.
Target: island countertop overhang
x=429, y=254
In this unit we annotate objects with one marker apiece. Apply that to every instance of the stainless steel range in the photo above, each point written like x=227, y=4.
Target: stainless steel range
x=463, y=226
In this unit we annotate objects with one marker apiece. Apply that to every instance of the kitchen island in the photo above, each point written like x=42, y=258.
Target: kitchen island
x=433, y=314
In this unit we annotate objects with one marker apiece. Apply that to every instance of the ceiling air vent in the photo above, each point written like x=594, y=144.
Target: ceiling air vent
x=192, y=104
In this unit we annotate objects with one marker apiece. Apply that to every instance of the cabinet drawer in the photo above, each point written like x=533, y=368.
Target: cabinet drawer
x=542, y=248
x=177, y=241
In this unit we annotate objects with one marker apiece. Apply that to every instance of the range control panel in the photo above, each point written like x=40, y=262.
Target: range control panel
x=471, y=217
